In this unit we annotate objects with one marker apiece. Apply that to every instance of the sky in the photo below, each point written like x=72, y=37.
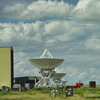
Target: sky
x=69, y=29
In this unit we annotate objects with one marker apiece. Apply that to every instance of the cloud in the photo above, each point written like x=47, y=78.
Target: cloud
x=93, y=43
x=74, y=71
x=22, y=66
x=92, y=70
x=73, y=74
x=64, y=31
x=36, y=10
x=87, y=10
x=66, y=39
x=20, y=32
x=82, y=75
x=48, y=33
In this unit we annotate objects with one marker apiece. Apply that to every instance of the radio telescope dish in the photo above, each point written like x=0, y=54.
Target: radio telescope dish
x=58, y=76
x=46, y=61
x=46, y=65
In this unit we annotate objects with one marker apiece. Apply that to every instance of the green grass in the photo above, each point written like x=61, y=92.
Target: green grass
x=43, y=94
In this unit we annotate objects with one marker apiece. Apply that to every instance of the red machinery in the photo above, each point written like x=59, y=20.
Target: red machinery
x=78, y=85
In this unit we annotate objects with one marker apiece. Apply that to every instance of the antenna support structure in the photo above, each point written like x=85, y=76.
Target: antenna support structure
x=46, y=65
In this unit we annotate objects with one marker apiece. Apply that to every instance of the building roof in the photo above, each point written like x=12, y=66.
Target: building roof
x=28, y=77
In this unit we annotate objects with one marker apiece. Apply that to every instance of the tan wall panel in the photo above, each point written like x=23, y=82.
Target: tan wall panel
x=5, y=66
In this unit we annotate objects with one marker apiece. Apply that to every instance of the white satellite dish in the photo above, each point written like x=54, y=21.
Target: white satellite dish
x=57, y=76
x=46, y=65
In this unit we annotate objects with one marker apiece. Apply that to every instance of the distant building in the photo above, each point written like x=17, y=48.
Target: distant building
x=6, y=67
x=27, y=81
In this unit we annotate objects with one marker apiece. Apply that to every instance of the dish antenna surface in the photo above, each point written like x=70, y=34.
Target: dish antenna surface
x=58, y=76
x=46, y=65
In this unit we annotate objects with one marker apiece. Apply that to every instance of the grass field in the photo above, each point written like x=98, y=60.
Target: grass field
x=83, y=93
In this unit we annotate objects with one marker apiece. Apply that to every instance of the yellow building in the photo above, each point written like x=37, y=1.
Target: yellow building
x=6, y=67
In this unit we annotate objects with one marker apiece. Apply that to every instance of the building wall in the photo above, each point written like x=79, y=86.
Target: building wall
x=6, y=66
x=27, y=81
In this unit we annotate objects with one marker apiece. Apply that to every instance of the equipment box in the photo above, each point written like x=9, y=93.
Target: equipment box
x=69, y=91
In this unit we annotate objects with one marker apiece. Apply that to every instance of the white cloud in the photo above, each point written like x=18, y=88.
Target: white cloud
x=49, y=33
x=50, y=43
x=13, y=11
x=93, y=43
x=64, y=30
x=20, y=32
x=82, y=75
x=70, y=72
x=31, y=37
x=82, y=4
x=87, y=10
x=22, y=66
x=36, y=10
x=84, y=10
x=92, y=70
x=6, y=33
